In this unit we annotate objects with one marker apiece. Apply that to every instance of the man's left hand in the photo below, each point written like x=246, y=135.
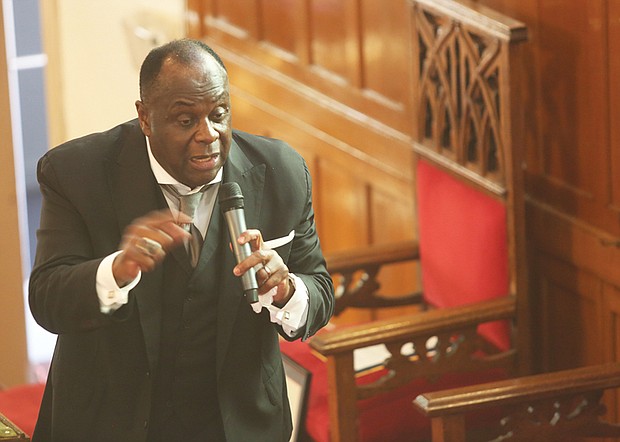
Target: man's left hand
x=270, y=268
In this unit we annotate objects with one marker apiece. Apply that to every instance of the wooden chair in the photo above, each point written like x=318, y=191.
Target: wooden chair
x=560, y=406
x=19, y=409
x=471, y=248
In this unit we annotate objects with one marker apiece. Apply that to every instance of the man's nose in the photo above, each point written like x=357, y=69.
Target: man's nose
x=206, y=132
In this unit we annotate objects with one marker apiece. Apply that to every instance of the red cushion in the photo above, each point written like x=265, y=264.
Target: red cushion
x=388, y=417
x=463, y=245
x=21, y=405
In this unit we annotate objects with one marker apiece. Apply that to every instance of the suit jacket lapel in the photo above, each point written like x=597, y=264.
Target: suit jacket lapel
x=135, y=193
x=251, y=180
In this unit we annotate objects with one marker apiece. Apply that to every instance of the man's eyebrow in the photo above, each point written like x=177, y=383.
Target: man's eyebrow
x=187, y=103
x=183, y=103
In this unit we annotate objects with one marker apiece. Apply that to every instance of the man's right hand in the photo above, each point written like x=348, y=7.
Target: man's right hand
x=146, y=241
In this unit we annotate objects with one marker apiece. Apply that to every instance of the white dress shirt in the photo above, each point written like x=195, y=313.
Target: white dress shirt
x=291, y=317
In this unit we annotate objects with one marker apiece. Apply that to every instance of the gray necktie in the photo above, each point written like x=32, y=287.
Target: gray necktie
x=188, y=205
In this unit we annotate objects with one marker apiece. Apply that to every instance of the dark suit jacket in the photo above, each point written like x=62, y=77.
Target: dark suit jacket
x=99, y=387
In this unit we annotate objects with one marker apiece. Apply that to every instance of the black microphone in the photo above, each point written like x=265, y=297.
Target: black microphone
x=231, y=203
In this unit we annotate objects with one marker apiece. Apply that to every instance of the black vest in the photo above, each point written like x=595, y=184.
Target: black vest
x=185, y=398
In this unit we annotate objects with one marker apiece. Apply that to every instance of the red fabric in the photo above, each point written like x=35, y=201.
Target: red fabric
x=390, y=417
x=463, y=245
x=21, y=405
x=464, y=252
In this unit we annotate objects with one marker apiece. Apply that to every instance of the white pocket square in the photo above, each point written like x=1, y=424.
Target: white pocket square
x=279, y=242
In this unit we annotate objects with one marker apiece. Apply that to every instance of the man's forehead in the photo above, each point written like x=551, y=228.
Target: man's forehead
x=186, y=80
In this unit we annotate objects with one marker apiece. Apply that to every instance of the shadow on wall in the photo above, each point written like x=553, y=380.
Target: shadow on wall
x=147, y=29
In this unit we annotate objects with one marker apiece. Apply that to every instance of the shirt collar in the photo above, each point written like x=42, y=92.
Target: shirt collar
x=164, y=177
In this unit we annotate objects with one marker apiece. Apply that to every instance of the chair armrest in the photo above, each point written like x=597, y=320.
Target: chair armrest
x=518, y=390
x=435, y=351
x=355, y=275
x=552, y=406
x=424, y=324
x=372, y=256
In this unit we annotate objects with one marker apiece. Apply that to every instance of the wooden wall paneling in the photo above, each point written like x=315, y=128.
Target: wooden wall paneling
x=385, y=38
x=328, y=20
x=348, y=204
x=194, y=19
x=242, y=15
x=285, y=27
x=360, y=135
x=348, y=226
x=613, y=57
x=257, y=116
x=327, y=42
x=353, y=43
x=560, y=235
x=392, y=219
x=572, y=309
x=571, y=44
x=391, y=194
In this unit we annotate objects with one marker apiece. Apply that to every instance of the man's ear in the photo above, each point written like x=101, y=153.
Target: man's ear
x=143, y=118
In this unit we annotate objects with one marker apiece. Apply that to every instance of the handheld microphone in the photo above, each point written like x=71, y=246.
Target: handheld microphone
x=231, y=204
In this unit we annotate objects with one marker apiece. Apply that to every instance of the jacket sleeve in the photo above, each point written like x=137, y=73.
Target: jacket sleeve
x=62, y=291
x=307, y=262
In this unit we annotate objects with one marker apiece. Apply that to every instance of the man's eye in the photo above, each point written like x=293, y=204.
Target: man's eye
x=186, y=122
x=219, y=114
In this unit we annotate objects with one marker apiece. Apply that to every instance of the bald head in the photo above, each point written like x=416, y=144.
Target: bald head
x=185, y=52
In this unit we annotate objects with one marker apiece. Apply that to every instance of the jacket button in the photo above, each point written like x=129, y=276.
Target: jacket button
x=146, y=424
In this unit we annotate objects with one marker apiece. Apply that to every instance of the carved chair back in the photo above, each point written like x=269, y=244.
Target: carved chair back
x=467, y=137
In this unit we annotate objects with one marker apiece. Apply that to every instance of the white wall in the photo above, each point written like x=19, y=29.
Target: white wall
x=99, y=62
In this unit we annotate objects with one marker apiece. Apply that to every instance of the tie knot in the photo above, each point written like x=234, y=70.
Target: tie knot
x=187, y=203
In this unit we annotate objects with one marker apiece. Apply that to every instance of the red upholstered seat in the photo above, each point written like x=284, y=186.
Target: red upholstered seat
x=463, y=259
x=21, y=405
x=384, y=418
x=463, y=245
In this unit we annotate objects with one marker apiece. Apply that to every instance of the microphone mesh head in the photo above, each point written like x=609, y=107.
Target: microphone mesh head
x=230, y=196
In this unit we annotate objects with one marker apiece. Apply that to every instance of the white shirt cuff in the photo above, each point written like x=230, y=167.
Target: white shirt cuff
x=111, y=296
x=294, y=314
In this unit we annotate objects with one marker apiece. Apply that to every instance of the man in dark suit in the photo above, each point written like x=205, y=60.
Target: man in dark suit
x=149, y=346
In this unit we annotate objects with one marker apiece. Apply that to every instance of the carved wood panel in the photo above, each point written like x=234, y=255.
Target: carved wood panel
x=460, y=116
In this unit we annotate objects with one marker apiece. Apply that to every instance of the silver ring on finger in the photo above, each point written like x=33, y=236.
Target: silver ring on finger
x=268, y=271
x=148, y=246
